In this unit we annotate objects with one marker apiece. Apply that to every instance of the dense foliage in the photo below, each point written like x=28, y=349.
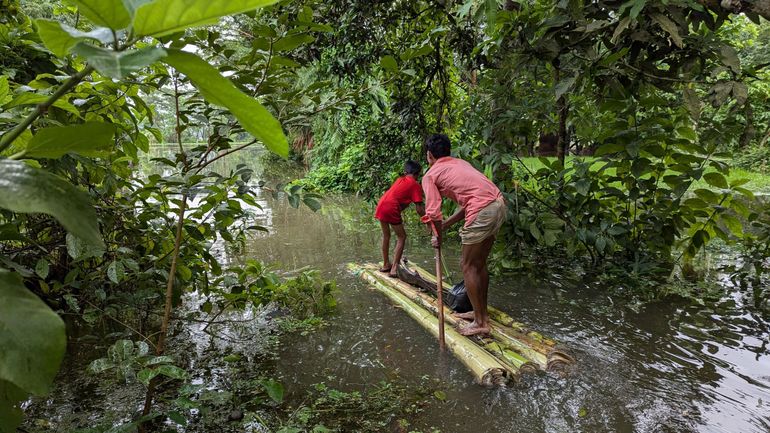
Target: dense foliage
x=82, y=228
x=654, y=99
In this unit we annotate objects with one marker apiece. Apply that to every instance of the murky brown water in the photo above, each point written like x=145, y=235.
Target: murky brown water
x=664, y=368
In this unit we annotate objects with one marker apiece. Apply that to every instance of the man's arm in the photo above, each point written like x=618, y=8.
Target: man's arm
x=460, y=214
x=432, y=215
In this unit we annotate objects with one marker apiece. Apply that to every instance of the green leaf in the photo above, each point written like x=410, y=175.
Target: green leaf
x=740, y=92
x=687, y=132
x=670, y=27
x=622, y=26
x=637, y=6
x=730, y=58
x=284, y=61
x=692, y=102
x=146, y=375
x=79, y=249
x=715, y=179
x=26, y=189
x=274, y=389
x=164, y=17
x=59, y=37
x=440, y=395
x=171, y=371
x=32, y=337
x=89, y=139
x=564, y=86
x=177, y=418
x=610, y=148
x=115, y=272
x=291, y=42
x=312, y=203
x=5, y=89
x=707, y=195
x=733, y=224
x=218, y=90
x=10, y=407
x=118, y=64
x=41, y=268
x=100, y=365
x=389, y=63
x=105, y=13
x=29, y=98
x=133, y=5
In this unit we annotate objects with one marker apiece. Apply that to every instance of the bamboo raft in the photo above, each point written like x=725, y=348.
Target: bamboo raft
x=511, y=349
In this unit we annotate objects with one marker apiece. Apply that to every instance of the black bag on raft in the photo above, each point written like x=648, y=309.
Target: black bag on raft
x=457, y=299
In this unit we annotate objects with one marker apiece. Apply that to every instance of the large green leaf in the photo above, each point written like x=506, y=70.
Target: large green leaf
x=88, y=139
x=715, y=179
x=163, y=17
x=118, y=64
x=133, y=5
x=10, y=412
x=59, y=37
x=27, y=189
x=29, y=98
x=220, y=91
x=106, y=13
x=32, y=337
x=291, y=42
x=670, y=27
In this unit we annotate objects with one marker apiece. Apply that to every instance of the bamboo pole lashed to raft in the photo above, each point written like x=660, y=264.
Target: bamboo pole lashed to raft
x=510, y=345
x=487, y=369
x=540, y=349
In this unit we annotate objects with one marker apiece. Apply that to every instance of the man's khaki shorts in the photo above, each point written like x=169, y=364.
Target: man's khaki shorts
x=486, y=224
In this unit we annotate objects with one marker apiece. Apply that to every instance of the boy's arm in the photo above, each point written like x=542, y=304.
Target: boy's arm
x=420, y=208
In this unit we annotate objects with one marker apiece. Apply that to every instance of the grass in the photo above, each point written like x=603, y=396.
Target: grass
x=758, y=182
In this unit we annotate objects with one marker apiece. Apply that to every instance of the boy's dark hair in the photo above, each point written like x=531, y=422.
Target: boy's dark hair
x=412, y=167
x=438, y=145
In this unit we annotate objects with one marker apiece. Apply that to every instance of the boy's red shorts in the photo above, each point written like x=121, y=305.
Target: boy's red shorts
x=388, y=212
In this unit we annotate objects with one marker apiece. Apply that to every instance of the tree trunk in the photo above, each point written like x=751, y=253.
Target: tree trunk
x=563, y=143
x=749, y=131
x=562, y=110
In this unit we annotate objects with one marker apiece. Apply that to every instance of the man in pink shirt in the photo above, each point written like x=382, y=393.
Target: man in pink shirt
x=483, y=208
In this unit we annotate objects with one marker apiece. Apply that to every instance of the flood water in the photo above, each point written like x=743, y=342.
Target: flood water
x=663, y=368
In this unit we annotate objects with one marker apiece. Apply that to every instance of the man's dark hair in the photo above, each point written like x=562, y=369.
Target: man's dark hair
x=412, y=167
x=438, y=145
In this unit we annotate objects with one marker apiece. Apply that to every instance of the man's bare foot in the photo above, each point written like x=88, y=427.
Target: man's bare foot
x=473, y=329
x=385, y=269
x=465, y=316
x=392, y=275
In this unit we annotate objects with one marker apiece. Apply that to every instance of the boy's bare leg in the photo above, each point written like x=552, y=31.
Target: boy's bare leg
x=385, y=247
x=400, y=242
x=477, y=282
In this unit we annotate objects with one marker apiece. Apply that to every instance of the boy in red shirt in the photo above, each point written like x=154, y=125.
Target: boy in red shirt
x=405, y=190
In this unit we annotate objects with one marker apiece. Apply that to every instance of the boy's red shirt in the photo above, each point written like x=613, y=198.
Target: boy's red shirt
x=404, y=191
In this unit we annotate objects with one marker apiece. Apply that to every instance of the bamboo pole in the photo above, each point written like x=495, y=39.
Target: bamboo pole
x=524, y=358
x=513, y=332
x=439, y=294
x=486, y=369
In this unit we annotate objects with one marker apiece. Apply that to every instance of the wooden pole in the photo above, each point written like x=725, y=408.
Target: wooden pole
x=439, y=295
